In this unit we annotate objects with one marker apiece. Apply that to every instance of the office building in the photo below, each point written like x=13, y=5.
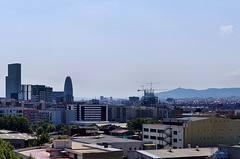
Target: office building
x=89, y=112
x=13, y=82
x=26, y=92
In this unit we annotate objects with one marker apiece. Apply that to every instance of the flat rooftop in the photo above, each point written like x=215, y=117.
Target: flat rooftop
x=102, y=138
x=99, y=123
x=179, y=153
x=77, y=147
x=16, y=136
x=37, y=153
x=185, y=119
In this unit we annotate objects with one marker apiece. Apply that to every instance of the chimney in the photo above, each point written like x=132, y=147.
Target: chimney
x=105, y=144
x=197, y=148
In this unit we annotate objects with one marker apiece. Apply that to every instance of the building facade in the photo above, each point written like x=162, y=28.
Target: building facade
x=11, y=111
x=193, y=131
x=26, y=92
x=41, y=93
x=32, y=116
x=89, y=112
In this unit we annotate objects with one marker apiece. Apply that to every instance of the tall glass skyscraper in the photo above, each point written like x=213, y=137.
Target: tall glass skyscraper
x=68, y=90
x=13, y=82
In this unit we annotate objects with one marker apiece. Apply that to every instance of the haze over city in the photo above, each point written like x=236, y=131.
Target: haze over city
x=112, y=48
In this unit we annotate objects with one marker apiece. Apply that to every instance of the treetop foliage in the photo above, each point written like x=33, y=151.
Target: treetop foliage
x=6, y=151
x=45, y=127
x=15, y=123
x=136, y=124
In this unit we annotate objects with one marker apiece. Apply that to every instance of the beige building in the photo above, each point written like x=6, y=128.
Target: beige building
x=211, y=132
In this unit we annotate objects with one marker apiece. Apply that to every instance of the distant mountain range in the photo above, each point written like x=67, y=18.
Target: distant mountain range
x=192, y=93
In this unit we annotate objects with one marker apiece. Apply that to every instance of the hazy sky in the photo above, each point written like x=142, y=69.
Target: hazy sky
x=112, y=47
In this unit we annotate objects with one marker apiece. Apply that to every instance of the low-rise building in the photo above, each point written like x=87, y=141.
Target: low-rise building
x=17, y=139
x=115, y=142
x=72, y=150
x=232, y=150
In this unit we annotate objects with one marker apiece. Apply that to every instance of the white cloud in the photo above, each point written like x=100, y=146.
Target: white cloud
x=226, y=29
x=235, y=73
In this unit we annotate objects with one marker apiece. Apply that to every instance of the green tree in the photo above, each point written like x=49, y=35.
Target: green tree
x=15, y=123
x=61, y=137
x=44, y=138
x=39, y=130
x=31, y=157
x=136, y=124
x=48, y=127
x=6, y=151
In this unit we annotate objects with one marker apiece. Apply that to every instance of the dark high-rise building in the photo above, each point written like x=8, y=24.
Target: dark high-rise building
x=13, y=81
x=68, y=90
x=41, y=93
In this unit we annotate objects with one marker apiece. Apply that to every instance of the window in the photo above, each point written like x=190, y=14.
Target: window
x=180, y=139
x=161, y=131
x=174, y=132
x=146, y=129
x=174, y=140
x=160, y=138
x=153, y=137
x=145, y=136
x=153, y=130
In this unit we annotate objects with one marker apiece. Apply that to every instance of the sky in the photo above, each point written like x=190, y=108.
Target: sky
x=114, y=47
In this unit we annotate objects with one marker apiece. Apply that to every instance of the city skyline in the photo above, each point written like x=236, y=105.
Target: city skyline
x=109, y=48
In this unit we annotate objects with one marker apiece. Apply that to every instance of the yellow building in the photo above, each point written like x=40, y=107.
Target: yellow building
x=211, y=132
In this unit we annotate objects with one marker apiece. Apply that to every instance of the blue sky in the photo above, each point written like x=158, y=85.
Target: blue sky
x=111, y=48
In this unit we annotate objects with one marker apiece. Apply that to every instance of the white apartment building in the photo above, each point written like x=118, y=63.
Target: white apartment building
x=164, y=136
x=11, y=111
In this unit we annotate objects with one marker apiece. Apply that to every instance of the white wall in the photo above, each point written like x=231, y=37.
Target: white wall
x=179, y=136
